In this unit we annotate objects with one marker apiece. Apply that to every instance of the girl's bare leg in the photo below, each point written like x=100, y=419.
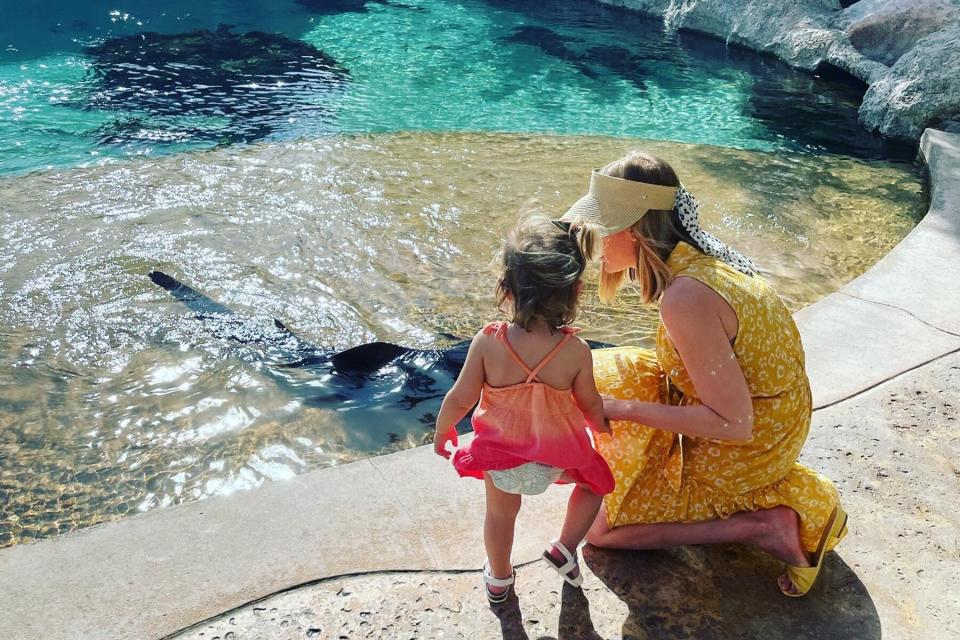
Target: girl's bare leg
x=582, y=508
x=498, y=526
x=776, y=531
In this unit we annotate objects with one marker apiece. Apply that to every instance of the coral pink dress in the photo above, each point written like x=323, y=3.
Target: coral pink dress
x=532, y=422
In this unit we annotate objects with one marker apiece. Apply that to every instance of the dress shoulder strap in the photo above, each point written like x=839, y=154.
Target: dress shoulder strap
x=500, y=333
x=546, y=360
x=492, y=328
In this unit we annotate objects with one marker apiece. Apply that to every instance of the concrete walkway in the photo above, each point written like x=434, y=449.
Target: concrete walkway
x=882, y=354
x=895, y=572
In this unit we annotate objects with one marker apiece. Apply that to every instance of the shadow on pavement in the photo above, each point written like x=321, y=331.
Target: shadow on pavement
x=723, y=591
x=511, y=618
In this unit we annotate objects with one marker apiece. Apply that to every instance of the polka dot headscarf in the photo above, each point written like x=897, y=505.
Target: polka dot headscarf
x=688, y=210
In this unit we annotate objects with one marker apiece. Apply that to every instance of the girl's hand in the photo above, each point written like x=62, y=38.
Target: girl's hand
x=606, y=426
x=603, y=428
x=440, y=441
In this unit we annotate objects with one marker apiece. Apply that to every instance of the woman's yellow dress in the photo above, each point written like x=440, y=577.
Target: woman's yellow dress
x=663, y=477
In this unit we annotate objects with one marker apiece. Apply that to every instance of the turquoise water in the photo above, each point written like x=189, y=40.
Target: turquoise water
x=569, y=67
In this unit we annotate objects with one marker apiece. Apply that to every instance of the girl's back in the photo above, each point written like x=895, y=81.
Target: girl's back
x=501, y=369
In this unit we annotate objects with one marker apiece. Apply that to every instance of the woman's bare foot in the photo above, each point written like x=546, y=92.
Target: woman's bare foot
x=780, y=537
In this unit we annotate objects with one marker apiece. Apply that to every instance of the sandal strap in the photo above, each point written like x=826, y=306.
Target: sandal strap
x=559, y=546
x=493, y=581
x=571, y=561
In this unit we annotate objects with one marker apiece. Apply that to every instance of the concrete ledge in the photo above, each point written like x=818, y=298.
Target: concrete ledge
x=922, y=273
x=853, y=345
x=148, y=576
x=906, y=309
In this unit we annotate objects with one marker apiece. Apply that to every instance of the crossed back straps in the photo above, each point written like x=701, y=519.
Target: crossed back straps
x=532, y=373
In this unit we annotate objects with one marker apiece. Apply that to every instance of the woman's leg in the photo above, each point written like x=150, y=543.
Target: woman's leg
x=776, y=531
x=498, y=526
x=582, y=509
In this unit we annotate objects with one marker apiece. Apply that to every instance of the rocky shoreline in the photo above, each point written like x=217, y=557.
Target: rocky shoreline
x=906, y=51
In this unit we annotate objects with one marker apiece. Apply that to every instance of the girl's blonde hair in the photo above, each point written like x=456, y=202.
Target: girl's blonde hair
x=656, y=233
x=542, y=262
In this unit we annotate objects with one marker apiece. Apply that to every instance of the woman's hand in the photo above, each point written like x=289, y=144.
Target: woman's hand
x=614, y=409
x=440, y=441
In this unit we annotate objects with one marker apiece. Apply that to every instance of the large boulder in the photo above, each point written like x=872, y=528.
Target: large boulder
x=884, y=30
x=921, y=90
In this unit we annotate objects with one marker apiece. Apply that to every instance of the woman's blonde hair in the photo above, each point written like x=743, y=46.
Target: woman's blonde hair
x=656, y=233
x=542, y=262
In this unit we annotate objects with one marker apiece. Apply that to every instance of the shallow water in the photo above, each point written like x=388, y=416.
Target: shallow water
x=116, y=399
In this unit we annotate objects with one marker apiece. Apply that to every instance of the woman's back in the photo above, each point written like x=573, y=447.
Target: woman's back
x=767, y=345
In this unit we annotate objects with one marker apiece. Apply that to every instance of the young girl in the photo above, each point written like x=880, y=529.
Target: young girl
x=534, y=381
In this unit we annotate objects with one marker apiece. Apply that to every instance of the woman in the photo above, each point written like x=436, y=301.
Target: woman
x=707, y=430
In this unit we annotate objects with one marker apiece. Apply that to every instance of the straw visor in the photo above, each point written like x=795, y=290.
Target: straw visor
x=615, y=204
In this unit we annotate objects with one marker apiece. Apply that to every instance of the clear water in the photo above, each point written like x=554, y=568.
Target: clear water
x=569, y=67
x=356, y=194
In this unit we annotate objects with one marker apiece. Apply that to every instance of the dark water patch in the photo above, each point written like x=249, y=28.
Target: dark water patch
x=140, y=130
x=818, y=110
x=333, y=7
x=622, y=62
x=830, y=72
x=553, y=44
x=593, y=62
x=257, y=82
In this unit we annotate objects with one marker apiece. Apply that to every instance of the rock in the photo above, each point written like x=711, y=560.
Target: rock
x=884, y=30
x=921, y=90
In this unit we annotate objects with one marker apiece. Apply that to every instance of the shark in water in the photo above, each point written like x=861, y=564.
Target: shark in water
x=387, y=390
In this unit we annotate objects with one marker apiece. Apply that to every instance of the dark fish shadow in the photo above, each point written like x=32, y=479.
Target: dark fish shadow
x=255, y=80
x=730, y=592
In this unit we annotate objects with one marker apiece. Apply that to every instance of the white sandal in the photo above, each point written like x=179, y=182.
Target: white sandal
x=490, y=581
x=565, y=570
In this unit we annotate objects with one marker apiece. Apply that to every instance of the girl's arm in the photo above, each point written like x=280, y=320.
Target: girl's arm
x=461, y=397
x=726, y=412
x=585, y=392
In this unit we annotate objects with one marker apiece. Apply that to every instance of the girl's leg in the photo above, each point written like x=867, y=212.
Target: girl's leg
x=498, y=525
x=776, y=531
x=582, y=508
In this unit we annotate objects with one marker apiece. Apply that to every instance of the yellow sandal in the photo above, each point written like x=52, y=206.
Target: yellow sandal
x=804, y=577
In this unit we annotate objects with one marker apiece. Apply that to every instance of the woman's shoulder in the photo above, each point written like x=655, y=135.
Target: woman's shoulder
x=686, y=294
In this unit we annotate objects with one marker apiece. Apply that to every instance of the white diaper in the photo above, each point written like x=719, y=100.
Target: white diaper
x=529, y=479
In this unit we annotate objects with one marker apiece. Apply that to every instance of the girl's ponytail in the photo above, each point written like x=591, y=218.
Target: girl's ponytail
x=588, y=239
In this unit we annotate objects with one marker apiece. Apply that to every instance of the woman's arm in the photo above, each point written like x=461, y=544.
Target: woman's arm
x=461, y=397
x=689, y=314
x=585, y=391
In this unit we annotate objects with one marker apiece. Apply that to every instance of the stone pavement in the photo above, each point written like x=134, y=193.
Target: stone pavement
x=895, y=456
